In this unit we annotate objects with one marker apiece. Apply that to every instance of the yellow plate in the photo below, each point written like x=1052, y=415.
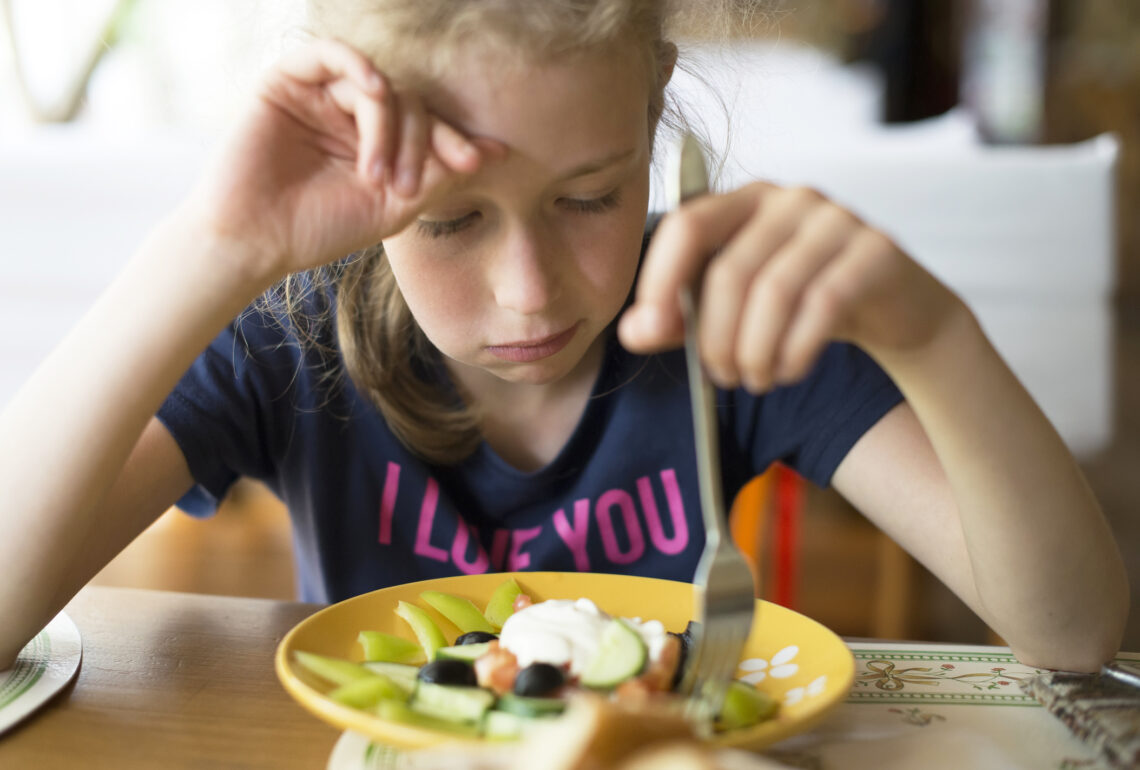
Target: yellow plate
x=793, y=658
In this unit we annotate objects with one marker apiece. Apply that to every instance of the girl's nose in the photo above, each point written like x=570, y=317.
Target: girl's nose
x=524, y=272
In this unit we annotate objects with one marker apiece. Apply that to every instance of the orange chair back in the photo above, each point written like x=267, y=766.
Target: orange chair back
x=765, y=522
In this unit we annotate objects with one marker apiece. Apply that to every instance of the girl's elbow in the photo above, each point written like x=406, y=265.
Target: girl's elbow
x=1085, y=658
x=1083, y=646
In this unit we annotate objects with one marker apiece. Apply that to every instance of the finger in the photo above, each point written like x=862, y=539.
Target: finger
x=413, y=146
x=327, y=60
x=369, y=121
x=453, y=148
x=374, y=116
x=677, y=254
x=827, y=305
x=775, y=295
x=440, y=176
x=437, y=178
x=727, y=283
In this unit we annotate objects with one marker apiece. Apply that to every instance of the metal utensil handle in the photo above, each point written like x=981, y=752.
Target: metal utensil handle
x=704, y=425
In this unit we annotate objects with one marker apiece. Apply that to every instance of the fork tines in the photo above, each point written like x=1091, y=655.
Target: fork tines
x=725, y=612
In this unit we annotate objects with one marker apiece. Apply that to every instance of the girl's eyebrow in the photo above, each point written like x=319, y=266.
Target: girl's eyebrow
x=594, y=166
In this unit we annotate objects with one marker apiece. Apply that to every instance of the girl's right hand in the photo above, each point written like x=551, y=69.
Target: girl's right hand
x=328, y=160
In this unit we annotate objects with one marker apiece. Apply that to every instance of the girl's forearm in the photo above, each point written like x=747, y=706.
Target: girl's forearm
x=1048, y=573
x=66, y=435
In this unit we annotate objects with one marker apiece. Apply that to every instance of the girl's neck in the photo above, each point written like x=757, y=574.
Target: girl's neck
x=528, y=425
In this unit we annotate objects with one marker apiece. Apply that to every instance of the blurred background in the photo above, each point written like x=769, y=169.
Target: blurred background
x=997, y=140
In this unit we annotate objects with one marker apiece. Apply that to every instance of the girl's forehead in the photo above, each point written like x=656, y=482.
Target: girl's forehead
x=579, y=105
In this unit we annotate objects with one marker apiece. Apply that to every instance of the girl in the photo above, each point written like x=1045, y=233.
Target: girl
x=472, y=388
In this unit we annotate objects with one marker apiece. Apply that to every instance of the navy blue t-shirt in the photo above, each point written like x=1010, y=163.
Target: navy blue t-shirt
x=620, y=497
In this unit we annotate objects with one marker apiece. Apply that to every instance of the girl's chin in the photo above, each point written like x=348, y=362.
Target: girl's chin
x=538, y=373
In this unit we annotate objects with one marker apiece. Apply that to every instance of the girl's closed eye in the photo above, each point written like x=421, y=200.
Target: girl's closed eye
x=440, y=228
x=593, y=205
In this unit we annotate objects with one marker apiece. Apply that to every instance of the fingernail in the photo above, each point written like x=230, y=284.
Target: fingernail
x=490, y=148
x=754, y=385
x=629, y=328
x=647, y=322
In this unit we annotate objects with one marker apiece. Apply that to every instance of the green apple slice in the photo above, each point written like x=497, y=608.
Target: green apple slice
x=335, y=670
x=367, y=693
x=425, y=629
x=745, y=706
x=465, y=615
x=379, y=646
x=502, y=603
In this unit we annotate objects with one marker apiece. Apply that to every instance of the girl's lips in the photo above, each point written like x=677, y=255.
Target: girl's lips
x=526, y=351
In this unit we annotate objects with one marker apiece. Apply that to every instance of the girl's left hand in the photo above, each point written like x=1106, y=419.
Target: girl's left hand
x=785, y=271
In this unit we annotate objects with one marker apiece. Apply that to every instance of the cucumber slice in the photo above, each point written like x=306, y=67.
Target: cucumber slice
x=465, y=615
x=621, y=655
x=502, y=726
x=454, y=704
x=468, y=652
x=395, y=711
x=400, y=673
x=502, y=603
x=366, y=693
x=523, y=706
x=335, y=670
x=745, y=706
x=378, y=645
x=426, y=631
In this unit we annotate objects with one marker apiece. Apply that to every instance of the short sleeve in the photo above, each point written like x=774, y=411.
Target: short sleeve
x=232, y=410
x=812, y=425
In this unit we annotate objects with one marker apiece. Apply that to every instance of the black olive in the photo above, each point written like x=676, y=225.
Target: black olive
x=453, y=672
x=539, y=679
x=687, y=639
x=682, y=657
x=475, y=637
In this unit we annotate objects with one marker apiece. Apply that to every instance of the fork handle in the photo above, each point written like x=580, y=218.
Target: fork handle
x=704, y=426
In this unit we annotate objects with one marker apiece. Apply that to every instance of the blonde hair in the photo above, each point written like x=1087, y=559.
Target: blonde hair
x=384, y=352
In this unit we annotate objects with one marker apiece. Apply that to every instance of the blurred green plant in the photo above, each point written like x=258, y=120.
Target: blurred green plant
x=68, y=105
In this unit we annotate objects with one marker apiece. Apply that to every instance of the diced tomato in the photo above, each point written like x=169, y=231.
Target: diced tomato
x=496, y=669
x=659, y=673
x=636, y=690
x=657, y=677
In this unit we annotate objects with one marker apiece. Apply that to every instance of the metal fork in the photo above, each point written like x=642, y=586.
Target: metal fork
x=725, y=599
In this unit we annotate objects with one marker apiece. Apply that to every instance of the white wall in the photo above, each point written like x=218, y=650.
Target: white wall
x=1024, y=235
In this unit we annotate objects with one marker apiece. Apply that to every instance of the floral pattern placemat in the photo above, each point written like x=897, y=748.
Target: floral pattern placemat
x=43, y=668
x=939, y=706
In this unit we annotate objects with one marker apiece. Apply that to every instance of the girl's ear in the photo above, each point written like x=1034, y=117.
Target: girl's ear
x=666, y=61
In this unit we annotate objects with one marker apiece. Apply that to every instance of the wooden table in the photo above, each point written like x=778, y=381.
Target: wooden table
x=173, y=680
x=176, y=680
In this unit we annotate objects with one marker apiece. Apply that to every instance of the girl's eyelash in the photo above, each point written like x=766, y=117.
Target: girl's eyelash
x=594, y=205
x=441, y=229
x=444, y=228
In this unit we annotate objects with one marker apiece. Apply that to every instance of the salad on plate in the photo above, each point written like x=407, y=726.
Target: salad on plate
x=516, y=664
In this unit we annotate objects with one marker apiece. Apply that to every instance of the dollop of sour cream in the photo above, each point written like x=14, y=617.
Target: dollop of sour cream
x=568, y=632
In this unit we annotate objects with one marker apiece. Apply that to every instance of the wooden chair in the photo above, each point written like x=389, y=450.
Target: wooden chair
x=768, y=509
x=766, y=521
